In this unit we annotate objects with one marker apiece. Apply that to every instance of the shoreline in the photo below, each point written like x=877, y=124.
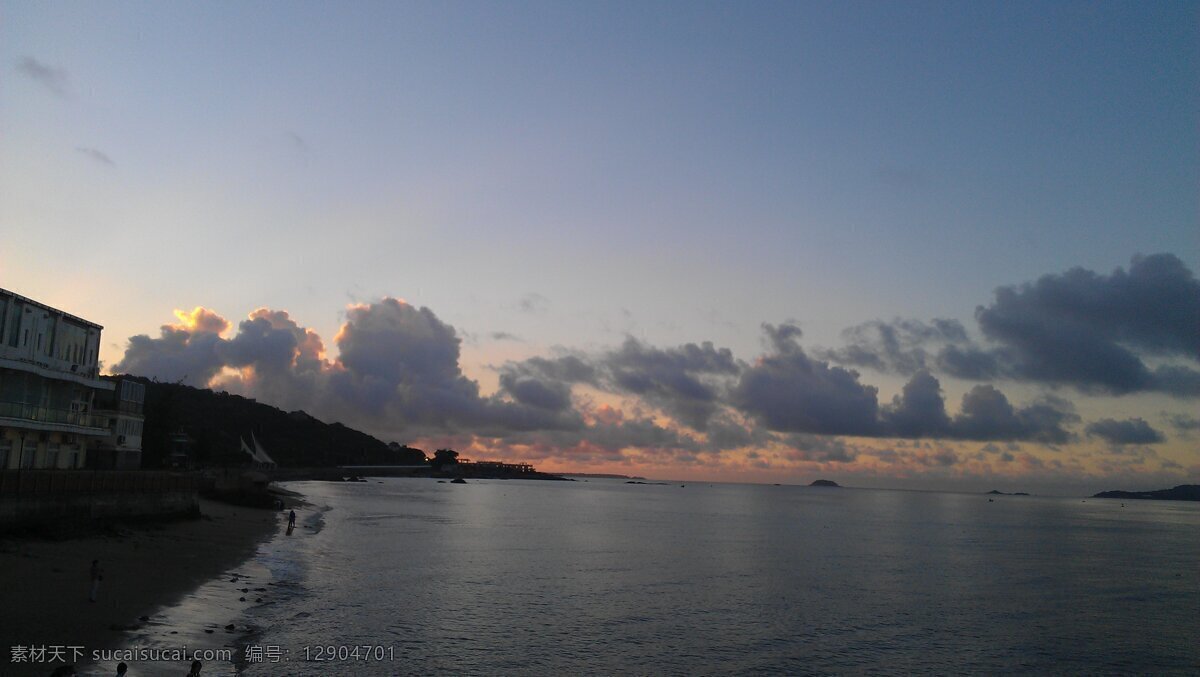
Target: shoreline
x=146, y=567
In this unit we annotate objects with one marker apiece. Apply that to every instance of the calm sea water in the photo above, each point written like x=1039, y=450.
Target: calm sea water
x=601, y=577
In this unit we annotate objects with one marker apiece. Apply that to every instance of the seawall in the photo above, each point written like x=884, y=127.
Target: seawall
x=37, y=498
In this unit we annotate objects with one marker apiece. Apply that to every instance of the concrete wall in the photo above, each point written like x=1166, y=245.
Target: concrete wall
x=65, y=499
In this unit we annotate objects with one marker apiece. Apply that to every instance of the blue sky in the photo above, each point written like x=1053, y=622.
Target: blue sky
x=574, y=173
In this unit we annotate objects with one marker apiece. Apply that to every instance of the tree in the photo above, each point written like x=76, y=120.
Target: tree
x=443, y=457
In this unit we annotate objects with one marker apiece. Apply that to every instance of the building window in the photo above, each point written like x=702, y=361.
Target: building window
x=28, y=452
x=5, y=452
x=52, y=455
x=16, y=326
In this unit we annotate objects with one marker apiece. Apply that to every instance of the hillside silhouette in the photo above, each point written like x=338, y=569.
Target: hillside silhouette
x=216, y=422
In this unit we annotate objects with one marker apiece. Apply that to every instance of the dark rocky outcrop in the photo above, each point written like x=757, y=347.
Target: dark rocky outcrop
x=824, y=483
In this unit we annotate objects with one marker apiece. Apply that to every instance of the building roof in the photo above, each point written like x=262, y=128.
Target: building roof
x=27, y=300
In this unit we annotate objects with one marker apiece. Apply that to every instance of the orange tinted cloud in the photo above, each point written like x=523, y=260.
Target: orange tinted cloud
x=201, y=319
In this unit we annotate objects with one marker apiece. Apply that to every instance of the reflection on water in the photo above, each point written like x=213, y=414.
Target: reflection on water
x=603, y=577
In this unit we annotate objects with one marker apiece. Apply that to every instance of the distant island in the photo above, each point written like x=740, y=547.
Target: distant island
x=1183, y=492
x=997, y=492
x=824, y=483
x=602, y=475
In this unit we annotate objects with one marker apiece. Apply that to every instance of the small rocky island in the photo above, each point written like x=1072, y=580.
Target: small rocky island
x=824, y=483
x=1183, y=492
x=997, y=492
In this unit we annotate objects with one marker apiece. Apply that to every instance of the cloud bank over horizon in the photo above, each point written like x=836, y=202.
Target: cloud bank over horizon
x=397, y=373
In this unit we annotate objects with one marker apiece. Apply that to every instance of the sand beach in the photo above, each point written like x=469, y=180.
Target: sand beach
x=147, y=566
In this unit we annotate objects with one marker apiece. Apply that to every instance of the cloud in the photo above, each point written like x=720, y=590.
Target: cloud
x=672, y=379
x=534, y=304
x=1128, y=431
x=787, y=391
x=185, y=353
x=920, y=410
x=397, y=373
x=97, y=155
x=790, y=392
x=1093, y=331
x=986, y=414
x=818, y=449
x=545, y=382
x=53, y=78
x=1182, y=422
x=202, y=320
x=503, y=336
x=1127, y=332
x=397, y=370
x=899, y=346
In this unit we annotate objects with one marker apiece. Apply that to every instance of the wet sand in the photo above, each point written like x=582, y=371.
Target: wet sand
x=44, y=596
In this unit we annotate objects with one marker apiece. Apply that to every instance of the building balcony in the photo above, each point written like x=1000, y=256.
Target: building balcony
x=33, y=417
x=57, y=370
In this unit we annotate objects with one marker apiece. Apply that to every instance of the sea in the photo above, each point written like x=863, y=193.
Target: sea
x=600, y=577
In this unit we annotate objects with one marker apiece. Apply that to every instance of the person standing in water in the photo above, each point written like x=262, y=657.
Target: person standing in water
x=97, y=576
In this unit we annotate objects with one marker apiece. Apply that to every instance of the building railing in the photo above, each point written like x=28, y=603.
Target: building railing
x=32, y=412
x=71, y=482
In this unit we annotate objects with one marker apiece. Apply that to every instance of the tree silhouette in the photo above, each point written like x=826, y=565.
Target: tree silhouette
x=443, y=457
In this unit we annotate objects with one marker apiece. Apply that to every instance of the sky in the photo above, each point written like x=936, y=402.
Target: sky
x=921, y=245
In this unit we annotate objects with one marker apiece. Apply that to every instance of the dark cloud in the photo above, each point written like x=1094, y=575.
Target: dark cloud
x=639, y=433
x=544, y=394
x=986, y=414
x=397, y=370
x=503, y=336
x=969, y=362
x=1128, y=431
x=54, y=79
x=899, y=346
x=672, y=379
x=920, y=410
x=724, y=434
x=1122, y=333
x=790, y=392
x=185, y=353
x=1182, y=422
x=401, y=362
x=687, y=382
x=819, y=449
x=566, y=368
x=97, y=155
x=545, y=383
x=1092, y=331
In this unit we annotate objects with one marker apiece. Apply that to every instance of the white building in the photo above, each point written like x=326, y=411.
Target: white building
x=49, y=377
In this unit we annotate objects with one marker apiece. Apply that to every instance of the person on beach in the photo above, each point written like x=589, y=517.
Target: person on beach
x=97, y=576
x=195, y=671
x=292, y=519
